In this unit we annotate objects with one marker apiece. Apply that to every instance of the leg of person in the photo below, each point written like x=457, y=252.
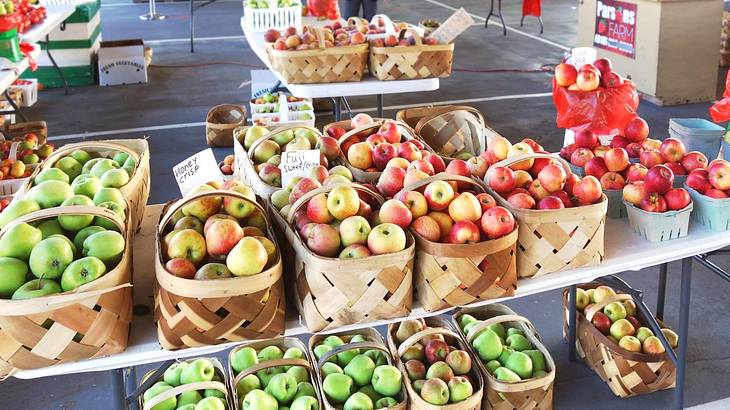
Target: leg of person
x=351, y=8
x=369, y=9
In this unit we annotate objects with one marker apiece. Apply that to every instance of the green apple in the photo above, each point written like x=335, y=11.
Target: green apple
x=361, y=369
x=333, y=341
x=518, y=342
x=110, y=194
x=293, y=353
x=513, y=330
x=305, y=389
x=83, y=234
x=465, y=319
x=186, y=407
x=342, y=171
x=378, y=357
x=344, y=358
x=49, y=228
x=130, y=163
x=499, y=329
x=358, y=339
x=435, y=391
x=12, y=275
x=338, y=387
x=299, y=373
x=107, y=246
x=86, y=185
x=329, y=368
x=199, y=370
x=65, y=239
x=521, y=364
x=100, y=167
x=246, y=384
x=51, y=174
x=189, y=222
x=320, y=350
x=488, y=345
x=86, y=168
x=70, y=166
x=265, y=375
x=493, y=365
x=506, y=352
x=305, y=403
x=172, y=374
x=82, y=271
x=81, y=156
x=280, y=199
x=115, y=178
x=298, y=144
x=283, y=387
x=253, y=134
x=76, y=223
x=16, y=209
x=504, y=374
x=641, y=333
x=460, y=389
x=259, y=400
x=386, y=402
x=36, y=288
x=243, y=358
x=370, y=391
x=270, y=353
x=50, y=258
x=19, y=240
x=105, y=222
x=310, y=135
x=387, y=380
x=120, y=157
x=211, y=403
x=203, y=208
x=50, y=194
x=157, y=388
x=188, y=397
x=358, y=401
x=283, y=138
x=537, y=358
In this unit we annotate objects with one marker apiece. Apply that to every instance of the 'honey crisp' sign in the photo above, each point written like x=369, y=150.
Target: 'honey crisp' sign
x=616, y=27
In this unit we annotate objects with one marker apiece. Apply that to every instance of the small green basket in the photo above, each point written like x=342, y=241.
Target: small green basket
x=713, y=213
x=659, y=226
x=616, y=206
x=10, y=46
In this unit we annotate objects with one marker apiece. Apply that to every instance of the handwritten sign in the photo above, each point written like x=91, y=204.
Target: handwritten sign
x=616, y=27
x=297, y=164
x=452, y=27
x=199, y=169
x=582, y=55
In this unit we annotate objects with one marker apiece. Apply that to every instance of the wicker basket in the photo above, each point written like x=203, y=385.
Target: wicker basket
x=211, y=385
x=136, y=191
x=554, y=240
x=659, y=226
x=436, y=325
x=627, y=373
x=283, y=343
x=220, y=123
x=192, y=312
x=332, y=292
x=321, y=65
x=90, y=321
x=374, y=341
x=713, y=213
x=411, y=62
x=449, y=275
x=18, y=130
x=526, y=394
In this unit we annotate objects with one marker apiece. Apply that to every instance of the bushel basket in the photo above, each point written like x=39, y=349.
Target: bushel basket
x=220, y=123
x=411, y=62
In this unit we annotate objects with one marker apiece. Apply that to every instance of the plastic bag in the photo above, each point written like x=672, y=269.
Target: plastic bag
x=324, y=8
x=604, y=111
x=720, y=111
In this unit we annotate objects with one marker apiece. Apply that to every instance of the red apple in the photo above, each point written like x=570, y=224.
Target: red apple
x=459, y=167
x=716, y=193
x=672, y=150
x=550, y=202
x=427, y=227
x=521, y=200
x=601, y=322
x=436, y=162
x=497, y=222
x=635, y=192
x=636, y=130
x=464, y=232
x=596, y=167
x=601, y=150
x=699, y=180
x=523, y=179
x=317, y=211
x=612, y=180
x=611, y=80
x=336, y=132
x=676, y=167
x=567, y=151
x=659, y=179
x=375, y=140
x=694, y=160
x=439, y=195
x=395, y=212
x=616, y=159
x=409, y=151
x=719, y=174
x=603, y=65
x=586, y=139
x=181, y=267
x=588, y=80
x=537, y=190
x=329, y=147
x=563, y=196
x=501, y=179
x=570, y=181
x=634, y=149
x=391, y=181
x=651, y=158
x=360, y=155
x=486, y=201
x=436, y=350
x=653, y=202
x=565, y=74
x=302, y=187
x=552, y=177
x=382, y=153
x=413, y=176
x=587, y=190
x=533, y=144
x=636, y=172
x=422, y=165
x=677, y=198
x=478, y=167
x=618, y=142
x=581, y=156
x=390, y=131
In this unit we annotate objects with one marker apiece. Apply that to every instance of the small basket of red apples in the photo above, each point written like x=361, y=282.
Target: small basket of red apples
x=465, y=243
x=408, y=56
x=710, y=192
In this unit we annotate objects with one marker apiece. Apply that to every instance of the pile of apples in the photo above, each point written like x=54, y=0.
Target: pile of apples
x=654, y=193
x=635, y=139
x=619, y=323
x=439, y=372
x=218, y=237
x=188, y=372
x=226, y=166
x=506, y=352
x=275, y=387
x=714, y=181
x=317, y=177
x=588, y=77
x=368, y=28
x=391, y=40
x=268, y=98
x=267, y=155
x=290, y=39
x=443, y=214
x=341, y=224
x=358, y=379
x=28, y=153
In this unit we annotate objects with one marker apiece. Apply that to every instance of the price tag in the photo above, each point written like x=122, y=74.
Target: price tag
x=297, y=164
x=582, y=55
x=452, y=27
x=199, y=169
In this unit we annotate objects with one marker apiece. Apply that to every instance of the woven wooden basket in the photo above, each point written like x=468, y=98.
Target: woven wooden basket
x=283, y=343
x=411, y=62
x=192, y=312
x=627, y=373
x=436, y=325
x=449, y=275
x=536, y=393
x=136, y=191
x=220, y=123
x=346, y=124
x=374, y=341
x=332, y=292
x=218, y=383
x=554, y=240
x=90, y=321
x=246, y=165
x=18, y=130
x=321, y=65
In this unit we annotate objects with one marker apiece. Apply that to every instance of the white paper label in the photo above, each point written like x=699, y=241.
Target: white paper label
x=452, y=27
x=582, y=55
x=297, y=164
x=240, y=154
x=199, y=169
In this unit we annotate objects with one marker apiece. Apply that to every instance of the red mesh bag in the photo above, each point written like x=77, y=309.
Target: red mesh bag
x=324, y=8
x=720, y=111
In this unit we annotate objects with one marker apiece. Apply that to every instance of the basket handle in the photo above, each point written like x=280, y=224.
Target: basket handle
x=494, y=320
x=354, y=21
x=349, y=134
x=416, y=37
x=319, y=33
x=323, y=190
x=597, y=307
x=271, y=363
x=445, y=110
x=413, y=339
x=511, y=160
x=67, y=210
x=276, y=131
x=387, y=23
x=351, y=346
x=443, y=176
x=167, y=394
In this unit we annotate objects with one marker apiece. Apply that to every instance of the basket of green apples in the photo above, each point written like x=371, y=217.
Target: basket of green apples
x=512, y=358
x=65, y=274
x=194, y=384
x=272, y=374
x=91, y=167
x=436, y=365
x=355, y=371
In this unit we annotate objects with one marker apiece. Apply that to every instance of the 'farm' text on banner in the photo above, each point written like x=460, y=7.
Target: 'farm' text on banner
x=616, y=27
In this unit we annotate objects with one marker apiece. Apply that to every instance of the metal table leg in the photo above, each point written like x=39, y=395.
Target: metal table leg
x=119, y=386
x=192, y=26
x=16, y=109
x=661, y=292
x=684, y=301
x=572, y=323
x=497, y=14
x=152, y=15
x=336, y=109
x=379, y=98
x=58, y=69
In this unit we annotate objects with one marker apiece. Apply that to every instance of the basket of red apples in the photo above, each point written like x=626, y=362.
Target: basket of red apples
x=613, y=341
x=465, y=243
x=317, y=54
x=436, y=365
x=338, y=128
x=217, y=260
x=349, y=266
x=710, y=192
x=672, y=153
x=561, y=217
x=513, y=360
x=401, y=57
x=657, y=211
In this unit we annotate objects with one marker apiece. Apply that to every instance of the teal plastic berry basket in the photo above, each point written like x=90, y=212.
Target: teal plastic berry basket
x=659, y=226
x=710, y=212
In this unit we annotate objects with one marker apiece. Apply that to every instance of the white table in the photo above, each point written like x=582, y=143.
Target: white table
x=9, y=72
x=368, y=86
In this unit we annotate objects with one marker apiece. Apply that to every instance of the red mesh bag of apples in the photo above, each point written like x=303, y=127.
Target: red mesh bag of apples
x=720, y=111
x=593, y=97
